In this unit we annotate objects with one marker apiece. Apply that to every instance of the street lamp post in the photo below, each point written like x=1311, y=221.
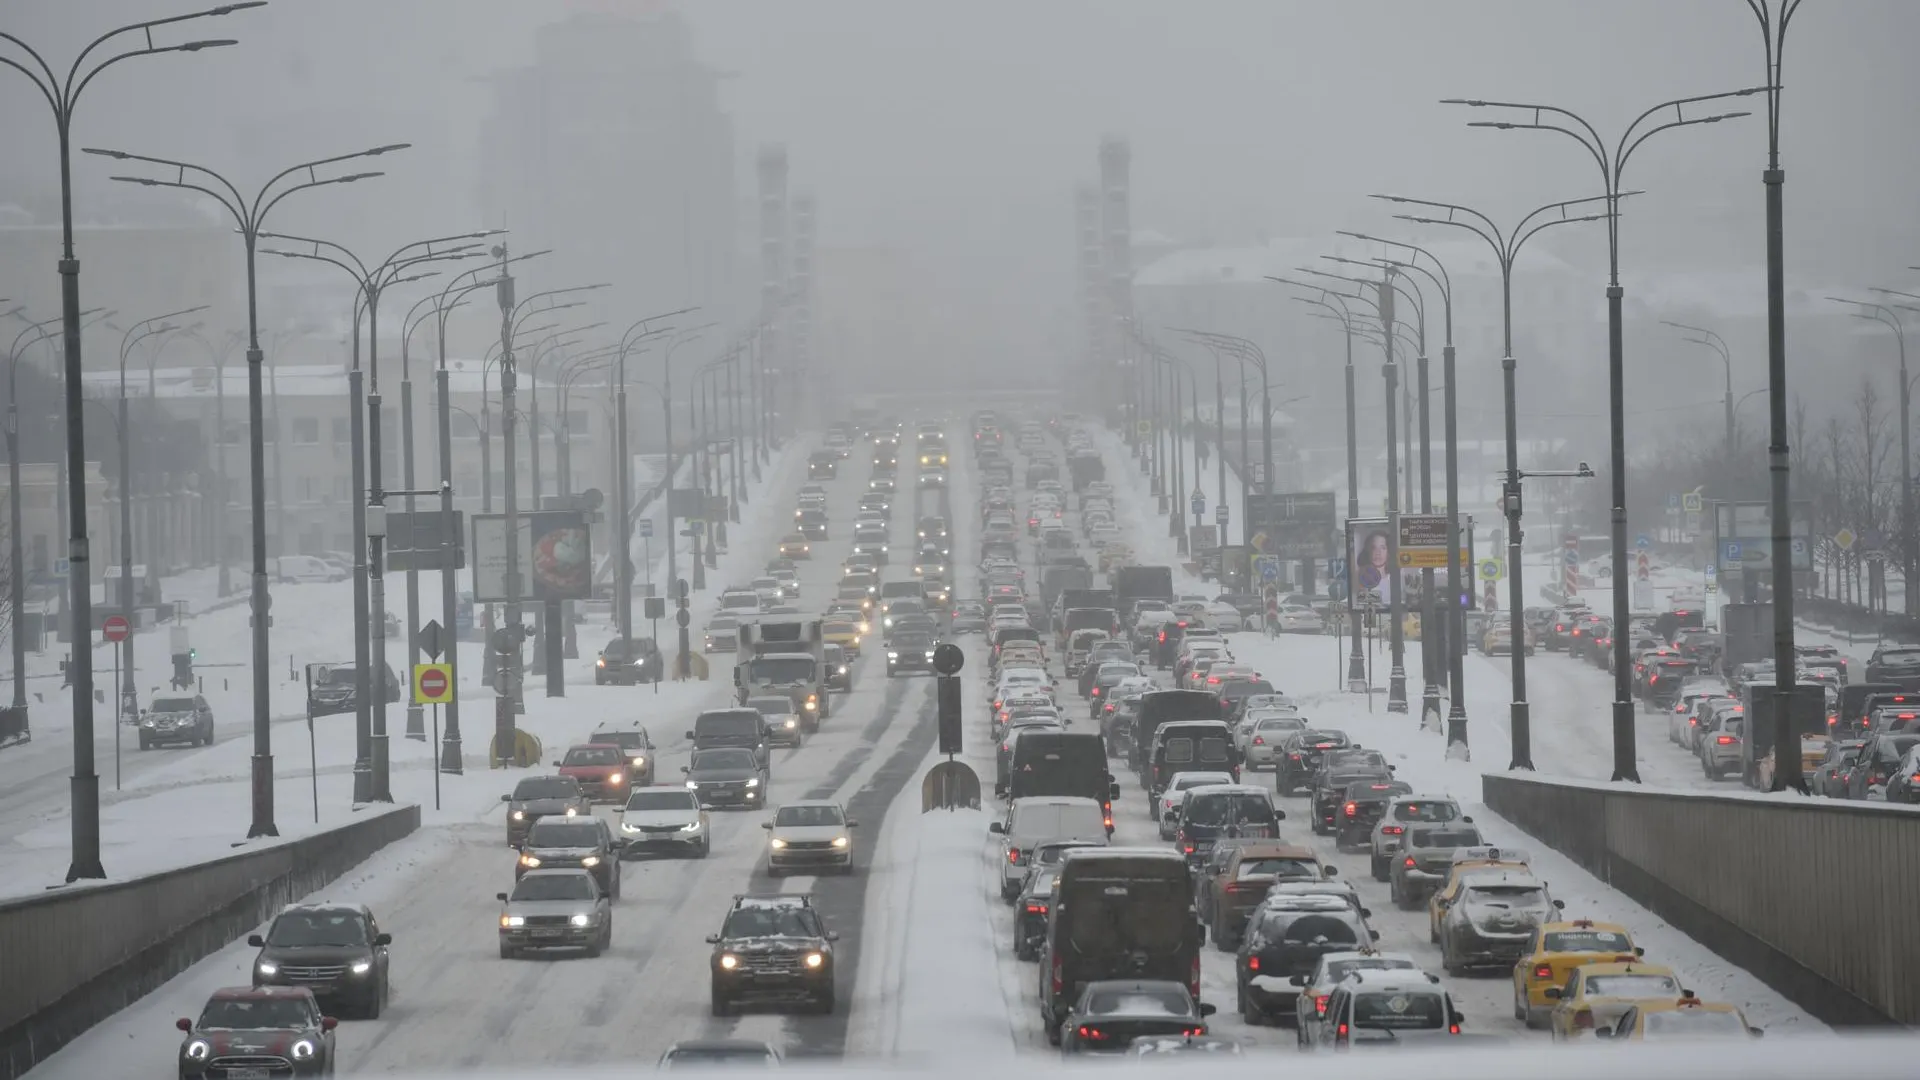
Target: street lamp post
x=623, y=465
x=62, y=96
x=250, y=216
x=1456, y=618
x=138, y=332
x=1703, y=336
x=1612, y=162
x=673, y=561
x=1506, y=245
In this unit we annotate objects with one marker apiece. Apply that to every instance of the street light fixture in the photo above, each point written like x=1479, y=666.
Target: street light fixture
x=1506, y=245
x=1703, y=336
x=250, y=217
x=623, y=481
x=1612, y=162
x=62, y=96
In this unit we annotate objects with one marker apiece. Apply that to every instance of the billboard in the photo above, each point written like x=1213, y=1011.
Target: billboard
x=554, y=554
x=1743, y=537
x=1368, y=558
x=1292, y=525
x=414, y=541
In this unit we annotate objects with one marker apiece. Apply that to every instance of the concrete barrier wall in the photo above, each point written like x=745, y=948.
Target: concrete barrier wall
x=1815, y=897
x=74, y=957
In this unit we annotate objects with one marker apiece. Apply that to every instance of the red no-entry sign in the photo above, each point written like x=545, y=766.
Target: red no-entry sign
x=116, y=628
x=432, y=684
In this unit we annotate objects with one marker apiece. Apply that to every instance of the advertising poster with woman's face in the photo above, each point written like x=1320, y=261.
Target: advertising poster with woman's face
x=1369, y=568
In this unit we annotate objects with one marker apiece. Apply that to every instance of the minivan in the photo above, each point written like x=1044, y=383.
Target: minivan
x=1190, y=744
x=1040, y=818
x=1118, y=913
x=731, y=727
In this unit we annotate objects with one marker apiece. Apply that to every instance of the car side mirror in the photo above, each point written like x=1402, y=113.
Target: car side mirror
x=1638, y=951
x=256, y=941
x=328, y=1023
x=556, y=764
x=1603, y=1033
x=766, y=825
x=1208, y=1008
x=1551, y=993
x=1330, y=871
x=183, y=1024
x=1467, y=820
x=713, y=939
x=383, y=939
x=1297, y=980
x=685, y=768
x=1113, y=790
x=1366, y=913
x=1755, y=1032
x=1443, y=904
x=689, y=734
x=833, y=935
x=1559, y=905
x=996, y=828
x=1279, y=815
x=500, y=896
x=1375, y=934
x=1458, y=1017
x=506, y=798
x=851, y=824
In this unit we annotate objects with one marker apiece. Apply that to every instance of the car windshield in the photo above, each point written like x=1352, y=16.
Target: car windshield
x=1692, y=1023
x=808, y=816
x=1446, y=838
x=564, y=834
x=318, y=928
x=626, y=740
x=1632, y=986
x=173, y=704
x=782, y=668
x=263, y=1013
x=912, y=639
x=770, y=706
x=554, y=887
x=1225, y=809
x=1299, y=869
x=1900, y=657
x=593, y=755
x=1139, y=1001
x=1563, y=941
x=662, y=800
x=770, y=922
x=1506, y=896
x=730, y=757
x=1342, y=968
x=546, y=787
x=1400, y=1009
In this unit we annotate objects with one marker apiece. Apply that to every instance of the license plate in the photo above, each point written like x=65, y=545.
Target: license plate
x=546, y=933
x=247, y=1074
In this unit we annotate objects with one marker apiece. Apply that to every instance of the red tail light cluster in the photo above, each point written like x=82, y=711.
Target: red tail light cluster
x=1036, y=909
x=1724, y=740
x=1392, y=830
x=1353, y=809
x=1320, y=1004
x=1543, y=971
x=1013, y=855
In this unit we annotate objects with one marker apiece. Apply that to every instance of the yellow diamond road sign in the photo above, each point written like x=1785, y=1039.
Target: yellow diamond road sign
x=1844, y=539
x=432, y=684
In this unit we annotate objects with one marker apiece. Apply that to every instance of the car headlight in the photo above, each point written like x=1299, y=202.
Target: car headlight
x=929, y=654
x=590, y=861
x=198, y=1050
x=639, y=761
x=579, y=920
x=303, y=1050
x=513, y=920
x=267, y=967
x=815, y=959
x=843, y=669
x=777, y=844
x=792, y=723
x=519, y=815
x=839, y=841
x=729, y=961
x=573, y=811
x=753, y=781
x=693, y=784
x=891, y=655
x=602, y=662
x=529, y=860
x=613, y=778
x=812, y=702
x=361, y=967
x=624, y=827
x=692, y=826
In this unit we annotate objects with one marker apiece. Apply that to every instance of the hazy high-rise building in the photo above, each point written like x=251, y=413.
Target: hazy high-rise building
x=612, y=149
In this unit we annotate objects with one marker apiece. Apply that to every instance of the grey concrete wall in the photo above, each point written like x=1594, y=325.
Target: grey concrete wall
x=1815, y=897
x=72, y=958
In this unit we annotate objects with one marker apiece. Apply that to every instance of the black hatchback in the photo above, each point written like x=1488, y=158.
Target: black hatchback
x=1299, y=757
x=626, y=661
x=1365, y=803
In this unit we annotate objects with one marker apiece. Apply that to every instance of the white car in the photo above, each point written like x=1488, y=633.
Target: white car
x=1269, y=732
x=664, y=819
x=1224, y=617
x=1298, y=620
x=811, y=833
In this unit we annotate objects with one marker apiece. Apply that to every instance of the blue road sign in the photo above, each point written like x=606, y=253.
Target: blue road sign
x=646, y=528
x=1572, y=556
x=1673, y=500
x=1643, y=541
x=1269, y=568
x=1730, y=552
x=1337, y=569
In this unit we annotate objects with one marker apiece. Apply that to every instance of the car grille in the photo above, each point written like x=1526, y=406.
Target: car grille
x=549, y=920
x=659, y=830
x=272, y=1065
x=773, y=964
x=325, y=974
x=810, y=845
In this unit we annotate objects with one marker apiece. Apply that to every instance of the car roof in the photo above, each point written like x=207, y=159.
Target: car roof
x=260, y=993
x=1275, y=849
x=809, y=802
x=1392, y=979
x=1628, y=967
x=325, y=906
x=1237, y=789
x=559, y=871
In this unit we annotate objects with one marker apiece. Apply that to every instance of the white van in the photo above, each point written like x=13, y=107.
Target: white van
x=1036, y=819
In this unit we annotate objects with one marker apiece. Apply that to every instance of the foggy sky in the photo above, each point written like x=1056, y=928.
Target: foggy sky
x=958, y=129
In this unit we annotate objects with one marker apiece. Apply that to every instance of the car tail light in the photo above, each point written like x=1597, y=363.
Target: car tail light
x=1453, y=1029
x=1193, y=978
x=1013, y=855
x=1096, y=691
x=1410, y=863
x=1724, y=740
x=1340, y=1035
x=1543, y=971
x=1036, y=909
x=1294, y=757
x=1253, y=963
x=1259, y=740
x=1320, y=1004
x=1188, y=848
x=1238, y=886
x=1092, y=1034
x=1392, y=830
x=1558, y=627
x=1353, y=809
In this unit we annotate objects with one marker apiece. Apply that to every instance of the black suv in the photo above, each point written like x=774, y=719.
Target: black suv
x=1338, y=769
x=1365, y=804
x=773, y=949
x=335, y=950
x=626, y=661
x=1299, y=757
x=911, y=650
x=564, y=843
x=1286, y=937
x=537, y=796
x=177, y=719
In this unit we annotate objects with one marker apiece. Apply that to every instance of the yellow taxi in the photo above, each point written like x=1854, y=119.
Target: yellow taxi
x=1468, y=862
x=1685, y=1017
x=1555, y=950
x=1596, y=995
x=842, y=632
